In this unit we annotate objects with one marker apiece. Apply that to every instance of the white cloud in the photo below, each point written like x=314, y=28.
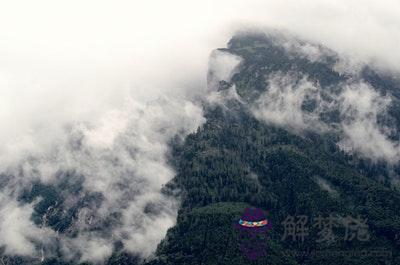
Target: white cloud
x=222, y=66
x=17, y=232
x=325, y=185
x=80, y=83
x=123, y=156
x=93, y=248
x=360, y=107
x=282, y=102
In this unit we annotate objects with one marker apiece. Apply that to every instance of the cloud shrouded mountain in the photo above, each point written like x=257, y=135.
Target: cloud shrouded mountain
x=290, y=132
x=98, y=185
x=93, y=95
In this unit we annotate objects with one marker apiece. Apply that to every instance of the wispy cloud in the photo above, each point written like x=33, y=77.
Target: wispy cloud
x=82, y=88
x=360, y=106
x=282, y=103
x=123, y=157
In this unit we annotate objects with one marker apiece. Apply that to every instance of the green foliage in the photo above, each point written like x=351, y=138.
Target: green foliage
x=234, y=161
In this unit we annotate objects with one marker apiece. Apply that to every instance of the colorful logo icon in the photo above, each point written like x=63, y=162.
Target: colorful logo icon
x=253, y=227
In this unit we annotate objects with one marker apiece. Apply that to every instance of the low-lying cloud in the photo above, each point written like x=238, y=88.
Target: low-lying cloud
x=358, y=103
x=93, y=92
x=123, y=158
x=361, y=105
x=282, y=103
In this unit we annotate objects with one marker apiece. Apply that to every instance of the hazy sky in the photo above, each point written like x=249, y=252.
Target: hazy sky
x=66, y=60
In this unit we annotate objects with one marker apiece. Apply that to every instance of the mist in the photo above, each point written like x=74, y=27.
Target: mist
x=57, y=57
x=99, y=88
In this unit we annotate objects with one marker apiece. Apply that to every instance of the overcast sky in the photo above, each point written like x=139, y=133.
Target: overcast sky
x=66, y=60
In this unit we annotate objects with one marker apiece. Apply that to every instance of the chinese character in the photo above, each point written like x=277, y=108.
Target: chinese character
x=326, y=225
x=295, y=229
x=356, y=227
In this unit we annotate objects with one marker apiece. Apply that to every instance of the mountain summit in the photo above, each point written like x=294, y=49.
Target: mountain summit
x=306, y=135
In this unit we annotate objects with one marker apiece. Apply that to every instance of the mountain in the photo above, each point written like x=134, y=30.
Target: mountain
x=237, y=161
x=292, y=128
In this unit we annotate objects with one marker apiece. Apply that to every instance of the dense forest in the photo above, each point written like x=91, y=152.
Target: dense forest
x=235, y=161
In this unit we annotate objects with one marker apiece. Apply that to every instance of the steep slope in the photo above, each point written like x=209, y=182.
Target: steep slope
x=236, y=160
